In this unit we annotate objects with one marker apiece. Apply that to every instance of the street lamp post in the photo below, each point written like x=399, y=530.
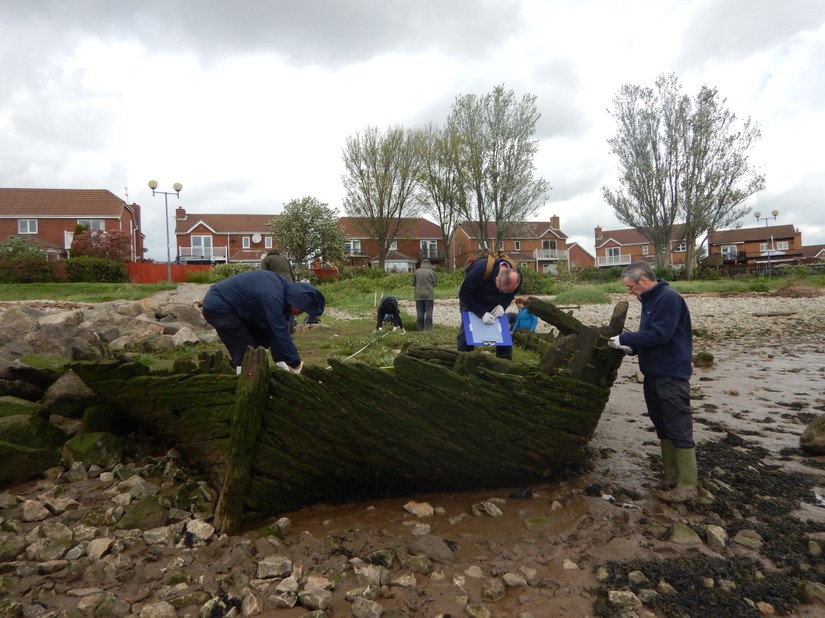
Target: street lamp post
x=759, y=217
x=153, y=185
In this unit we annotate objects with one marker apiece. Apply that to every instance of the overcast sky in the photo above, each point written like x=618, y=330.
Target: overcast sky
x=249, y=103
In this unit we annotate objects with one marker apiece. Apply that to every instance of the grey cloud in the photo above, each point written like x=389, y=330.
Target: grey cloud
x=305, y=32
x=732, y=29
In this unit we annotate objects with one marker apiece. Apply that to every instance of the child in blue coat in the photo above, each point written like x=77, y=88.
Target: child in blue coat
x=524, y=319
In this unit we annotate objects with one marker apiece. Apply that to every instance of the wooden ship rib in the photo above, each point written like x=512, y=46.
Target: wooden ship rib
x=271, y=441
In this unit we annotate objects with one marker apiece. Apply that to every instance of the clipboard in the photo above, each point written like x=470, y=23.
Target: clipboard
x=478, y=333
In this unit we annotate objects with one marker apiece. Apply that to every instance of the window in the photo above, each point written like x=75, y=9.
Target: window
x=267, y=242
x=614, y=255
x=645, y=249
x=782, y=245
x=202, y=247
x=548, y=245
x=394, y=245
x=501, y=245
x=429, y=248
x=27, y=226
x=245, y=242
x=681, y=247
x=352, y=247
x=92, y=224
x=728, y=252
x=517, y=245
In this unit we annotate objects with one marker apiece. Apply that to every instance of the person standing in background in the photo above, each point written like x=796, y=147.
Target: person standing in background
x=424, y=281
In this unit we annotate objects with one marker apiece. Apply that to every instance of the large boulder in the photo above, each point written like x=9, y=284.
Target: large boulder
x=22, y=463
x=68, y=396
x=102, y=449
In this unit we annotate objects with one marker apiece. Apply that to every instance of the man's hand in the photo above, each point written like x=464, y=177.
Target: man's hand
x=282, y=365
x=488, y=318
x=497, y=311
x=614, y=343
x=298, y=368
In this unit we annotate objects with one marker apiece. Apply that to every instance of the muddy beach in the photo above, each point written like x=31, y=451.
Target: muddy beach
x=565, y=549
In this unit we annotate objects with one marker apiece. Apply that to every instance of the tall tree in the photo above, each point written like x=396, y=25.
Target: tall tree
x=443, y=193
x=496, y=138
x=718, y=176
x=309, y=229
x=380, y=180
x=680, y=161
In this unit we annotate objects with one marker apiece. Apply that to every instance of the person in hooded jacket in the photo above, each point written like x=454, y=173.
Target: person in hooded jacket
x=254, y=308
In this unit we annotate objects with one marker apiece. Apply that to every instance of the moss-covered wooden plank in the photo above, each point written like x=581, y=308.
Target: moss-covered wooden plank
x=250, y=402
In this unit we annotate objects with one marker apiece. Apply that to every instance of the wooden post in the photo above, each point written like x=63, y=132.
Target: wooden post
x=250, y=402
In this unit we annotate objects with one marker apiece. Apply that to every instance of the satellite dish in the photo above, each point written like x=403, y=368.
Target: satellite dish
x=256, y=237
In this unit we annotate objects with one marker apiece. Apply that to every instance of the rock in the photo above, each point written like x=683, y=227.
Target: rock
x=419, y=509
x=68, y=396
x=365, y=608
x=813, y=438
x=144, y=514
x=101, y=448
x=274, y=565
x=431, y=546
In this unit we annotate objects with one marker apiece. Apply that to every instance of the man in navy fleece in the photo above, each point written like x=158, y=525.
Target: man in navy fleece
x=254, y=309
x=488, y=296
x=665, y=348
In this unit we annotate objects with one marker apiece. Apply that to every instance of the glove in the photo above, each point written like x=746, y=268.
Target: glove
x=613, y=342
x=282, y=365
x=488, y=318
x=497, y=311
x=297, y=369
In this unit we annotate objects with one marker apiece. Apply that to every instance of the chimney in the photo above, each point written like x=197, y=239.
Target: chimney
x=598, y=233
x=554, y=223
x=180, y=213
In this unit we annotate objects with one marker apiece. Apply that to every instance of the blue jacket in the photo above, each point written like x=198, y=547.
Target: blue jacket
x=525, y=320
x=664, y=340
x=480, y=295
x=264, y=299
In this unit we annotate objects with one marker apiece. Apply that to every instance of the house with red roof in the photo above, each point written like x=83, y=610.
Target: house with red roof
x=756, y=247
x=621, y=247
x=416, y=239
x=49, y=217
x=538, y=245
x=219, y=238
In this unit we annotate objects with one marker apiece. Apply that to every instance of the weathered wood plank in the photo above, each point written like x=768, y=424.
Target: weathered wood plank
x=250, y=403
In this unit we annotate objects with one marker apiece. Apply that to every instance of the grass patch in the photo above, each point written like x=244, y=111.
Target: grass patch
x=82, y=292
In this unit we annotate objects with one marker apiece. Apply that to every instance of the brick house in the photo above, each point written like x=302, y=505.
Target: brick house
x=50, y=217
x=538, y=245
x=755, y=247
x=621, y=247
x=219, y=238
x=417, y=239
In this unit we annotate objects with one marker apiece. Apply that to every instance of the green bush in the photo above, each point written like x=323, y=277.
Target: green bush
x=22, y=261
x=96, y=270
x=537, y=284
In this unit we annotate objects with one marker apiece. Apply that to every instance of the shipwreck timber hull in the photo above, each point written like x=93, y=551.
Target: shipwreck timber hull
x=272, y=441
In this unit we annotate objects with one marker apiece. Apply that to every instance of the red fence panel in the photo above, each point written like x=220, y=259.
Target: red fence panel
x=146, y=272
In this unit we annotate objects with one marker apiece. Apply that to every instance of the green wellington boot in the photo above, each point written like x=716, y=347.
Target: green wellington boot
x=687, y=477
x=669, y=463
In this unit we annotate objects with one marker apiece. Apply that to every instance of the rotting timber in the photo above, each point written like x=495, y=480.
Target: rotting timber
x=271, y=441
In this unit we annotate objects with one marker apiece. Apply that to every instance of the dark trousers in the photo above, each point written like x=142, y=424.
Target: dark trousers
x=668, y=406
x=236, y=334
x=424, y=315
x=502, y=351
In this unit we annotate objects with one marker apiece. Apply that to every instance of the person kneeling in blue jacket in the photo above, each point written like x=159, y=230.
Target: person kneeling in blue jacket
x=254, y=309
